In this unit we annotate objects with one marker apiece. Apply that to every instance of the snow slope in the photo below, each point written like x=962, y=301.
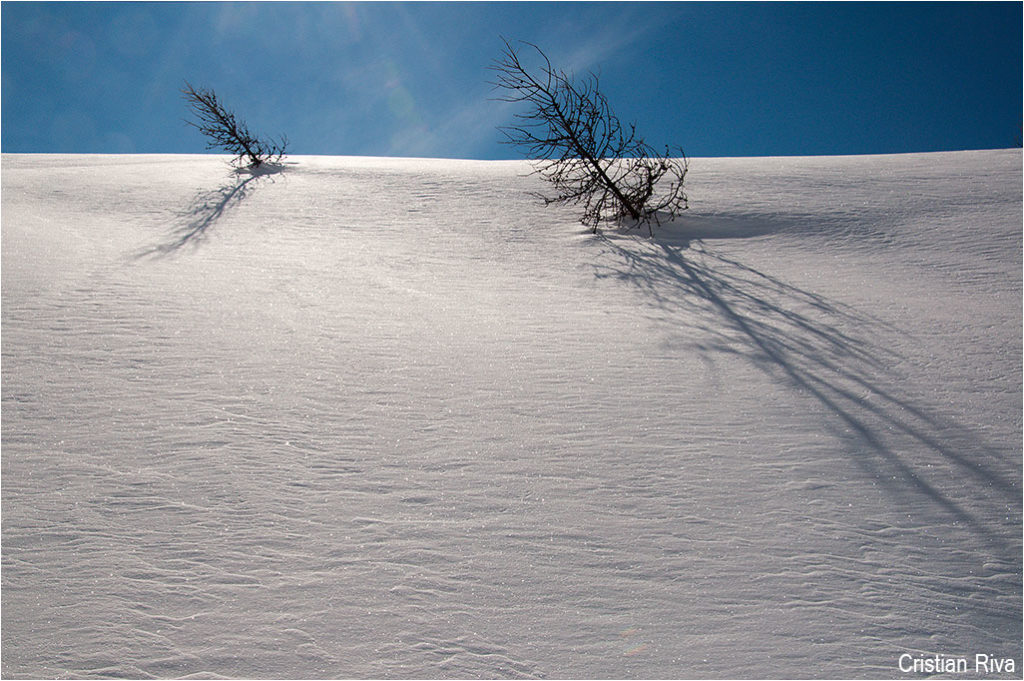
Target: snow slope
x=396, y=418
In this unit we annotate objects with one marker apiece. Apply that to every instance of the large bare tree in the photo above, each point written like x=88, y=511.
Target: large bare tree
x=226, y=132
x=578, y=143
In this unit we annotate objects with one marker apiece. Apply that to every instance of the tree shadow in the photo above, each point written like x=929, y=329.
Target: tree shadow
x=208, y=207
x=826, y=350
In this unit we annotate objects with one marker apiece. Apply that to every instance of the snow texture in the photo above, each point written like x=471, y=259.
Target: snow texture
x=362, y=417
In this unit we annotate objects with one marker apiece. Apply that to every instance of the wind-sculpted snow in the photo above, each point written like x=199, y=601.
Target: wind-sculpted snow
x=397, y=419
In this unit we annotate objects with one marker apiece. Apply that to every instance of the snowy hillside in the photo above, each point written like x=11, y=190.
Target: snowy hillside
x=396, y=418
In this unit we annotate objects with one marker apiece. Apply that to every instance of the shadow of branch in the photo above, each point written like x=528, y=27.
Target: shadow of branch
x=207, y=208
x=826, y=350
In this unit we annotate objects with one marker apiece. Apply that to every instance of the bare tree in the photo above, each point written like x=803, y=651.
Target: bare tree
x=225, y=132
x=579, y=145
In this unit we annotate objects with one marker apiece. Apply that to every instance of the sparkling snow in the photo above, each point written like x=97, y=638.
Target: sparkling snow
x=396, y=418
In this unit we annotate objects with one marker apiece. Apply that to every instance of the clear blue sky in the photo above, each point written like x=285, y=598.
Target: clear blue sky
x=410, y=79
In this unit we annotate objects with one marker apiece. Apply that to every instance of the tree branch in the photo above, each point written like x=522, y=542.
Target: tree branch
x=581, y=147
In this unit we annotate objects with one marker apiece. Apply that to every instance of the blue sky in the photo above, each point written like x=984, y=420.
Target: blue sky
x=410, y=79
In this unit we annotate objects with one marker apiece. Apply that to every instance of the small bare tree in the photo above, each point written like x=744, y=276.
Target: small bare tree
x=579, y=145
x=225, y=132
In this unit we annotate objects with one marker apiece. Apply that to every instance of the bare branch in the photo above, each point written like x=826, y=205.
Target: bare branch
x=224, y=131
x=578, y=144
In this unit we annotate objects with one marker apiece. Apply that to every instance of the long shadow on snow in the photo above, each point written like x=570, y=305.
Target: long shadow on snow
x=207, y=207
x=797, y=335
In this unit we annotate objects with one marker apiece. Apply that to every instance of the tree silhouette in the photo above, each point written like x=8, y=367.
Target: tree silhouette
x=578, y=144
x=226, y=132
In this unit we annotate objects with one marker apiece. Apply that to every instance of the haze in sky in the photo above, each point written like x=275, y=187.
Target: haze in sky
x=411, y=79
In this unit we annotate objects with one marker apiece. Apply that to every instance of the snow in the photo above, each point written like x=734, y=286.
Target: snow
x=367, y=417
